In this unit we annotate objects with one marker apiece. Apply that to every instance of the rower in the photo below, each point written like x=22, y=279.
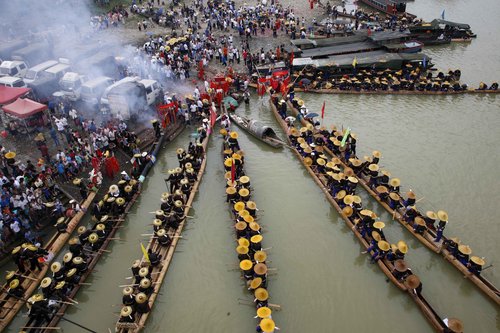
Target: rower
x=75, y=247
x=373, y=174
x=410, y=214
x=72, y=278
x=185, y=187
x=394, y=202
x=475, y=265
x=128, y=298
x=246, y=266
x=451, y=244
x=58, y=273
x=144, y=272
x=38, y=310
x=463, y=254
x=142, y=303
x=252, y=208
x=443, y=220
x=166, y=202
x=145, y=286
x=242, y=253
x=191, y=175
x=178, y=195
x=413, y=283
x=410, y=201
x=352, y=182
x=453, y=325
x=376, y=156
x=261, y=297
x=163, y=238
x=181, y=154
x=401, y=270
x=419, y=225
x=154, y=258
x=127, y=315
x=375, y=238
x=136, y=266
x=394, y=185
x=260, y=271
x=231, y=194
x=61, y=225
x=381, y=251
x=80, y=265
x=232, y=141
x=429, y=218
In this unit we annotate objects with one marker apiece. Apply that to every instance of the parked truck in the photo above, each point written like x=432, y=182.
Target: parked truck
x=129, y=96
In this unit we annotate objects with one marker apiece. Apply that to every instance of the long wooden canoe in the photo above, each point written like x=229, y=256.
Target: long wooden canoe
x=159, y=272
x=430, y=314
x=235, y=217
x=55, y=244
x=262, y=132
x=429, y=235
x=389, y=92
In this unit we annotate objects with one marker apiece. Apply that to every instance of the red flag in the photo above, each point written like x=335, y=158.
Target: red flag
x=233, y=171
x=323, y=110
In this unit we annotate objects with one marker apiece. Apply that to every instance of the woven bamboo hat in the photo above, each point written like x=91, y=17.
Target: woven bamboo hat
x=267, y=325
x=412, y=281
x=244, y=242
x=241, y=249
x=141, y=298
x=260, y=268
x=255, y=283
x=455, y=325
x=246, y=265
x=383, y=245
x=264, y=312
x=261, y=294
x=239, y=206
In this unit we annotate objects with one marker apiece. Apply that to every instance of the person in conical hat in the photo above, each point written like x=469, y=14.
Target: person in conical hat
x=255, y=283
x=419, y=225
x=394, y=200
x=455, y=325
x=381, y=250
x=128, y=296
x=475, y=265
x=430, y=218
x=267, y=325
x=443, y=220
x=264, y=312
x=410, y=198
x=127, y=314
x=142, y=305
x=413, y=283
x=464, y=251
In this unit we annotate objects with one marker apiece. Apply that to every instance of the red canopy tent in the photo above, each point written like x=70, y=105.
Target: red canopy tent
x=28, y=111
x=24, y=108
x=9, y=95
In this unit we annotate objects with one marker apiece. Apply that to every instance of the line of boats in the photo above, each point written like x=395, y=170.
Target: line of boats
x=251, y=255
x=350, y=208
x=404, y=213
x=150, y=271
x=59, y=286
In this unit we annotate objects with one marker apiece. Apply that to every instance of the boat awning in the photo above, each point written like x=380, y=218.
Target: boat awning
x=8, y=94
x=384, y=36
x=452, y=24
x=339, y=49
x=24, y=108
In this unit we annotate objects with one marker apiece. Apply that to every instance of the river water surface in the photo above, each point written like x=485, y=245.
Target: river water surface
x=445, y=148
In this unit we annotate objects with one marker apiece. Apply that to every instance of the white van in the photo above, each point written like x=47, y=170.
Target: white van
x=34, y=71
x=13, y=68
x=13, y=82
x=57, y=71
x=153, y=90
x=93, y=90
x=71, y=85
